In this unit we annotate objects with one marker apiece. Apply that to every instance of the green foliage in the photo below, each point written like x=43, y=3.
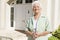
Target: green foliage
x=53, y=38
x=55, y=35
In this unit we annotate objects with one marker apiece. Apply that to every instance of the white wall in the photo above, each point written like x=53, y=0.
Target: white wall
x=2, y=14
x=8, y=15
x=56, y=14
x=44, y=6
x=21, y=15
x=59, y=13
x=52, y=10
x=49, y=9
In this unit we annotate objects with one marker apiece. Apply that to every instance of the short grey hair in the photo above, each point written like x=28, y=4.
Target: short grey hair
x=36, y=2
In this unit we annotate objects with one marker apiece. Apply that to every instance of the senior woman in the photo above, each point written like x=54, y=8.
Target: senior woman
x=37, y=27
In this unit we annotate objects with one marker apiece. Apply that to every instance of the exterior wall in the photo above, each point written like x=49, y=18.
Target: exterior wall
x=18, y=10
x=48, y=8
x=22, y=13
x=2, y=14
x=8, y=15
x=57, y=17
x=59, y=13
x=51, y=11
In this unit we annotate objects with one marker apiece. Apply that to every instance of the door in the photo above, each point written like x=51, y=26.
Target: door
x=22, y=13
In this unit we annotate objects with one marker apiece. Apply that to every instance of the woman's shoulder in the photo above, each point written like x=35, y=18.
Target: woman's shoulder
x=44, y=16
x=30, y=18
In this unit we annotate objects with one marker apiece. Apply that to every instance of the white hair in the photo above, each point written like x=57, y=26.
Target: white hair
x=36, y=2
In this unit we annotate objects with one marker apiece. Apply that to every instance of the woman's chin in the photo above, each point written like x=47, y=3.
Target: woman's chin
x=36, y=12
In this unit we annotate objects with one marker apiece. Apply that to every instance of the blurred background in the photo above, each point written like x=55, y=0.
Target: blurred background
x=14, y=13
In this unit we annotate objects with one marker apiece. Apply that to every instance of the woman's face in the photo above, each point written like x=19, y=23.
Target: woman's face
x=36, y=8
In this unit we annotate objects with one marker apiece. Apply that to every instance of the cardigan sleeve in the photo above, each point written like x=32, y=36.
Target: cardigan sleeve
x=48, y=26
x=27, y=25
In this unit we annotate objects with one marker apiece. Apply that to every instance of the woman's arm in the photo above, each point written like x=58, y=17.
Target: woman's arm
x=29, y=33
x=41, y=34
x=44, y=33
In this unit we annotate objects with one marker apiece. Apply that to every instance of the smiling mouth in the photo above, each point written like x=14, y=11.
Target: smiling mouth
x=36, y=9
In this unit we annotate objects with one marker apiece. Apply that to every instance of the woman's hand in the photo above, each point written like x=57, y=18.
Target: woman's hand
x=36, y=35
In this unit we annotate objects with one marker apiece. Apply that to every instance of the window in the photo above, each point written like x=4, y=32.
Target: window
x=28, y=1
x=12, y=16
x=35, y=0
x=19, y=1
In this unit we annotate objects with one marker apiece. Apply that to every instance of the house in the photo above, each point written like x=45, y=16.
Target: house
x=12, y=15
x=22, y=12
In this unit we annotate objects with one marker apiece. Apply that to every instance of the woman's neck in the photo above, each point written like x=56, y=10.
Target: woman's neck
x=36, y=16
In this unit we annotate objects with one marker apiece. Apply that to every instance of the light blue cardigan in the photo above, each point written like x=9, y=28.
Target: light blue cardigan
x=42, y=25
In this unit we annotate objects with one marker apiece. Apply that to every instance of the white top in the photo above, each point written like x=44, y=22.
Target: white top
x=35, y=25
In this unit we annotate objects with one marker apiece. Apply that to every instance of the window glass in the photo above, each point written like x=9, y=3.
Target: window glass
x=12, y=16
x=28, y=1
x=19, y=1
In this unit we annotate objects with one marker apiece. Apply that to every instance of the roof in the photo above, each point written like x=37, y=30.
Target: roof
x=10, y=1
